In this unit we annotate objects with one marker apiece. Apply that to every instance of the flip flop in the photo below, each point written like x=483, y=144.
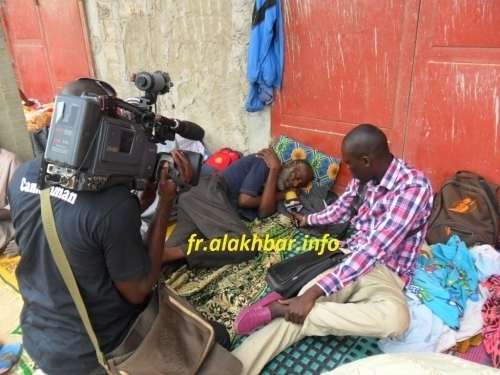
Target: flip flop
x=9, y=356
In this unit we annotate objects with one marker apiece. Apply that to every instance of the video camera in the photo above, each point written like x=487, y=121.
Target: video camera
x=92, y=147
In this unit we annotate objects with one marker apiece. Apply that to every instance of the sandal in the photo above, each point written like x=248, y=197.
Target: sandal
x=9, y=356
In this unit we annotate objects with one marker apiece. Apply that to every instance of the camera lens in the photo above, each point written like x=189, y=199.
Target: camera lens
x=142, y=82
x=153, y=82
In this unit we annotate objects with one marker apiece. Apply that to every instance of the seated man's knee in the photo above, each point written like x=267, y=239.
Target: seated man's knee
x=398, y=320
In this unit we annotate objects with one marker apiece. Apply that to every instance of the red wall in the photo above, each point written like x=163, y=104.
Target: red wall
x=48, y=44
x=426, y=72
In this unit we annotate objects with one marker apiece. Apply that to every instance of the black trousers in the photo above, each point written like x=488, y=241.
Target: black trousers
x=205, y=212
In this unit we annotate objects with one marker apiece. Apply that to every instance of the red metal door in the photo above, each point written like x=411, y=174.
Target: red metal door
x=346, y=62
x=48, y=44
x=435, y=92
x=454, y=117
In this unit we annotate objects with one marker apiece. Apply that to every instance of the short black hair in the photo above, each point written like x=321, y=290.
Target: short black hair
x=367, y=139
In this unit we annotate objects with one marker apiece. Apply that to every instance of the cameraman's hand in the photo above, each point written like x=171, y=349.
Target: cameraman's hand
x=183, y=165
x=167, y=188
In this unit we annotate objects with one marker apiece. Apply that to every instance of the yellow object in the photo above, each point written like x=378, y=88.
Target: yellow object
x=290, y=195
x=8, y=271
x=170, y=229
x=463, y=346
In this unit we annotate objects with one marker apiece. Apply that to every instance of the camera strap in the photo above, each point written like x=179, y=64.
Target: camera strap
x=64, y=268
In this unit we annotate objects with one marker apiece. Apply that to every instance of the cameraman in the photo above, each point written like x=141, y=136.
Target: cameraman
x=115, y=270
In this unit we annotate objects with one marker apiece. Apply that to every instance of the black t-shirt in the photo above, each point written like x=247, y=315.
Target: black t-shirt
x=246, y=176
x=99, y=232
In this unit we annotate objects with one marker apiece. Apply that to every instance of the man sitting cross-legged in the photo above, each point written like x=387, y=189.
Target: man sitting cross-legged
x=364, y=294
x=214, y=209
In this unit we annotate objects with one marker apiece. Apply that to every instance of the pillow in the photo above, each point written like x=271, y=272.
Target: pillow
x=325, y=167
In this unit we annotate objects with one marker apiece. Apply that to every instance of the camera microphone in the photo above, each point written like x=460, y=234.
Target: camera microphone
x=189, y=130
x=292, y=203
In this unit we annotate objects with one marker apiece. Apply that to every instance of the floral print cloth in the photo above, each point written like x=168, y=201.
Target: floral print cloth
x=491, y=318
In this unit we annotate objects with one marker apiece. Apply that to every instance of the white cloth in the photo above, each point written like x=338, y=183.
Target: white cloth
x=422, y=336
x=8, y=164
x=413, y=364
x=486, y=260
x=190, y=145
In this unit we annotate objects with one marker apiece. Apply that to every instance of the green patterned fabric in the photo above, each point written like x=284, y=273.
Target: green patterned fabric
x=220, y=293
x=325, y=167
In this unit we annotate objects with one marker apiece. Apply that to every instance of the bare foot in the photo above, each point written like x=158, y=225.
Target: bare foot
x=11, y=250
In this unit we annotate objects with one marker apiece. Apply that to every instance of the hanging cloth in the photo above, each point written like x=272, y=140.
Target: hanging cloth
x=265, y=54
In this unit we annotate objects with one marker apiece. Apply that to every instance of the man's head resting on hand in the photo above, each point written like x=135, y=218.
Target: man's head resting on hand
x=295, y=174
x=366, y=153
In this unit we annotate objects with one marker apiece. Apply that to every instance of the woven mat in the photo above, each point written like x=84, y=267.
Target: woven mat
x=314, y=355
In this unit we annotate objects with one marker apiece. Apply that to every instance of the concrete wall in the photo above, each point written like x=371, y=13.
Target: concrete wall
x=13, y=130
x=202, y=44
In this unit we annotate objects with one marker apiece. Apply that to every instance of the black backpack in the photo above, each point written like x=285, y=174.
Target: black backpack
x=465, y=205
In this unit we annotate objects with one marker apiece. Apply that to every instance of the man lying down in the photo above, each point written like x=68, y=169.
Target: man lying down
x=246, y=189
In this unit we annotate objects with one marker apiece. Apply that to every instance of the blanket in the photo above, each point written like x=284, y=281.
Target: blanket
x=220, y=293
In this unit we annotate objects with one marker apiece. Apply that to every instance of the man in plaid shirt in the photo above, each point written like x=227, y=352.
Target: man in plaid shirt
x=363, y=295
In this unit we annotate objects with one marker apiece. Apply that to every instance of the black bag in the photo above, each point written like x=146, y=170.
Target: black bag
x=465, y=205
x=289, y=276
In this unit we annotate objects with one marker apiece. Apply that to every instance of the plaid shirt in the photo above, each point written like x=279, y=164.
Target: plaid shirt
x=401, y=202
